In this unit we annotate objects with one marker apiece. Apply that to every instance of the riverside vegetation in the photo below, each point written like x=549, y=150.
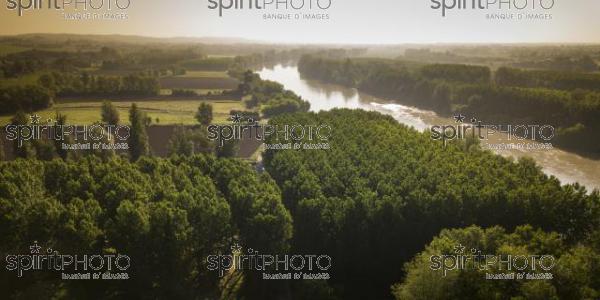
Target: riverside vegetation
x=569, y=101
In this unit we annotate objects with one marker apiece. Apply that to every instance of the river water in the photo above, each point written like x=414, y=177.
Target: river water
x=566, y=166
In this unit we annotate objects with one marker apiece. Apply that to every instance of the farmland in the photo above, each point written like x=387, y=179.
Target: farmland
x=23, y=80
x=166, y=111
x=186, y=82
x=200, y=74
x=9, y=49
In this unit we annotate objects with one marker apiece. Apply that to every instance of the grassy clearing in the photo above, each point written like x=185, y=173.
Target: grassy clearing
x=168, y=112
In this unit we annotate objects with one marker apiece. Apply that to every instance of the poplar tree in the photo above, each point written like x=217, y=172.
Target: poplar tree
x=138, y=141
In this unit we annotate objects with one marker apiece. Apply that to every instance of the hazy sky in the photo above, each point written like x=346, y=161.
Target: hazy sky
x=350, y=21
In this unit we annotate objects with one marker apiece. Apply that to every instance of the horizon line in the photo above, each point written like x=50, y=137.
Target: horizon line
x=244, y=40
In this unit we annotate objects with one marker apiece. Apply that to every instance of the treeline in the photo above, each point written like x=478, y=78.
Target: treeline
x=271, y=57
x=167, y=215
x=24, y=97
x=32, y=61
x=19, y=67
x=514, y=97
x=154, y=56
x=547, y=79
x=384, y=190
x=269, y=96
x=459, y=73
x=84, y=84
x=575, y=58
x=574, y=63
x=209, y=63
x=106, y=58
x=41, y=95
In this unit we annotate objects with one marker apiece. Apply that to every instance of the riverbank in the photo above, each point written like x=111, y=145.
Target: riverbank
x=567, y=166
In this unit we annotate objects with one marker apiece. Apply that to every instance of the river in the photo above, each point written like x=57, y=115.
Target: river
x=566, y=166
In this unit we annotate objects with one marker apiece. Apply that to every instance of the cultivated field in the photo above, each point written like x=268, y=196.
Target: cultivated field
x=200, y=74
x=9, y=49
x=220, y=83
x=168, y=112
x=23, y=80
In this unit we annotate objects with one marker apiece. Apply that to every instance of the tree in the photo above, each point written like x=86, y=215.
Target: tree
x=110, y=114
x=138, y=141
x=1, y=149
x=167, y=215
x=61, y=120
x=573, y=271
x=229, y=148
x=47, y=81
x=204, y=114
x=20, y=147
x=180, y=142
x=189, y=141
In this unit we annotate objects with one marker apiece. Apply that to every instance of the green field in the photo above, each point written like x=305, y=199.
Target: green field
x=169, y=92
x=221, y=56
x=9, y=49
x=200, y=74
x=167, y=111
x=23, y=80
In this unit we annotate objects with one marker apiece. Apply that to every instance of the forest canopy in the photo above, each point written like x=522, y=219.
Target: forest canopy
x=384, y=190
x=167, y=215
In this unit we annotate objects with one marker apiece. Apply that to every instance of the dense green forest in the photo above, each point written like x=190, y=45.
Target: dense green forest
x=383, y=191
x=372, y=202
x=167, y=215
x=575, y=275
x=566, y=100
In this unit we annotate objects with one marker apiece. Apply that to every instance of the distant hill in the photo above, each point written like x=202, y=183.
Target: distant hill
x=115, y=38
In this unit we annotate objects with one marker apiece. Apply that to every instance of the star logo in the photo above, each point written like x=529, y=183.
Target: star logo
x=459, y=118
x=35, y=248
x=236, y=248
x=34, y=119
x=236, y=118
x=459, y=249
x=473, y=120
